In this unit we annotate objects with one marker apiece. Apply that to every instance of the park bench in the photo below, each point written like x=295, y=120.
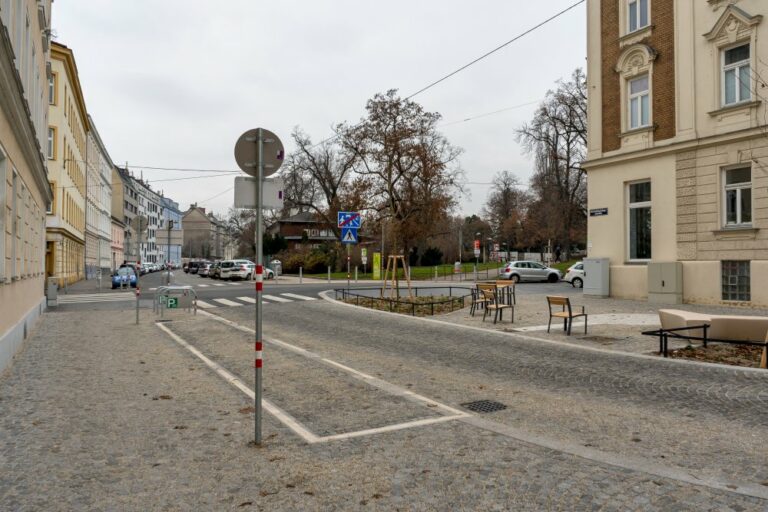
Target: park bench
x=566, y=313
x=732, y=329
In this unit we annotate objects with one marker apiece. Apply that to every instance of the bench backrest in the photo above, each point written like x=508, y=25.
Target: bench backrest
x=741, y=328
x=557, y=300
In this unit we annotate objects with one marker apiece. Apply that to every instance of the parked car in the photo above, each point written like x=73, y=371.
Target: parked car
x=575, y=275
x=215, y=271
x=529, y=271
x=186, y=268
x=237, y=269
x=204, y=270
x=124, y=276
x=194, y=266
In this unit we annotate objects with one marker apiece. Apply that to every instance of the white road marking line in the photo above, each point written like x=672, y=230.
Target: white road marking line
x=295, y=296
x=249, y=300
x=219, y=284
x=276, y=298
x=205, y=305
x=390, y=388
x=275, y=411
x=234, y=284
x=152, y=289
x=227, y=302
x=203, y=285
x=75, y=299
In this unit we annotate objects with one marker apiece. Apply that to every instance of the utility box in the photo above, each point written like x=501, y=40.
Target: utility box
x=597, y=272
x=665, y=282
x=52, y=292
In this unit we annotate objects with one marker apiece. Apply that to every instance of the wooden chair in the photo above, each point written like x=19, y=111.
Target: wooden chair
x=508, y=286
x=494, y=303
x=566, y=313
x=478, y=301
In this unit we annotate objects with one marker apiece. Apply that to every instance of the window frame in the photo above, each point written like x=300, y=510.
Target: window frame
x=52, y=149
x=723, y=284
x=635, y=206
x=738, y=187
x=736, y=67
x=630, y=9
x=638, y=96
x=53, y=87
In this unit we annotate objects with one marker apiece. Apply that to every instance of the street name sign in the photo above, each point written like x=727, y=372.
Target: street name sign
x=598, y=212
x=349, y=220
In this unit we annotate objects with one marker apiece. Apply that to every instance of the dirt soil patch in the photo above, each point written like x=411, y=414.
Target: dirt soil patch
x=416, y=306
x=736, y=355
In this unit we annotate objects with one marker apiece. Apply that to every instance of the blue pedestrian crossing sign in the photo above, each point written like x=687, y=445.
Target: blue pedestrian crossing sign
x=349, y=220
x=348, y=235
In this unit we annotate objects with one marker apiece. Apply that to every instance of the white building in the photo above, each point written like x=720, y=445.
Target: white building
x=98, y=223
x=150, y=206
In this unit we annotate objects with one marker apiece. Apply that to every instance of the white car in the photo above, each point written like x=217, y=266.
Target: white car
x=575, y=275
x=242, y=269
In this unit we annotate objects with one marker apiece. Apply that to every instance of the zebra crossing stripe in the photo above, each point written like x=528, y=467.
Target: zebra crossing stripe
x=249, y=300
x=295, y=296
x=204, y=305
x=203, y=285
x=227, y=302
x=95, y=297
x=276, y=298
x=219, y=284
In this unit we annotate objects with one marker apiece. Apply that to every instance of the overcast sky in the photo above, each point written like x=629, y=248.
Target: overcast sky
x=173, y=83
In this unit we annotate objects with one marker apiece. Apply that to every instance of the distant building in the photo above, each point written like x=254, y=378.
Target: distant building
x=117, y=243
x=25, y=191
x=98, y=219
x=125, y=207
x=170, y=213
x=205, y=236
x=677, y=148
x=67, y=141
x=303, y=230
x=149, y=206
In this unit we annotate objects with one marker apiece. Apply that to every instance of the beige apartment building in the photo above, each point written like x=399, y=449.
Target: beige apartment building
x=98, y=218
x=67, y=147
x=678, y=147
x=24, y=190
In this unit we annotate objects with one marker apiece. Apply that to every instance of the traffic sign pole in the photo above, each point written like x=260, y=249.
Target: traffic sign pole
x=259, y=289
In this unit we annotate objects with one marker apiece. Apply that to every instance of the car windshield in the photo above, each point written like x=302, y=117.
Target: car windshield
x=228, y=264
x=125, y=271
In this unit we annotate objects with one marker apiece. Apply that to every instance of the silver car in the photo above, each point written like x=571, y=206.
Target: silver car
x=518, y=271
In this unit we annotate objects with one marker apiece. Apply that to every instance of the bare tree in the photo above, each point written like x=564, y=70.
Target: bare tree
x=506, y=207
x=408, y=169
x=557, y=139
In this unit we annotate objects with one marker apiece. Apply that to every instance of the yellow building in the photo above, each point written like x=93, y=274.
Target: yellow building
x=67, y=157
x=24, y=190
x=678, y=148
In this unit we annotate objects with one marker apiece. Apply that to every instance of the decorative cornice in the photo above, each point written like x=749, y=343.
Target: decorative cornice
x=635, y=59
x=729, y=22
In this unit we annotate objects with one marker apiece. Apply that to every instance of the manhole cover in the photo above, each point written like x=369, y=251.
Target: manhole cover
x=483, y=406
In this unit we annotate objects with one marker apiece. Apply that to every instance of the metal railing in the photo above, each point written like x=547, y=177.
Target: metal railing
x=399, y=304
x=159, y=305
x=676, y=333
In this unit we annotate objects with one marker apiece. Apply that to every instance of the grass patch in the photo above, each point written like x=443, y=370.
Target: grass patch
x=419, y=273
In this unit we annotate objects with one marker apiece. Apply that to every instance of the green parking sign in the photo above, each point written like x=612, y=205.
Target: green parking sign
x=173, y=302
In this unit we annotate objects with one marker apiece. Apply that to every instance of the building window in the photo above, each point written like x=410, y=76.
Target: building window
x=52, y=95
x=51, y=150
x=638, y=14
x=639, y=205
x=736, y=75
x=736, y=280
x=639, y=103
x=738, y=196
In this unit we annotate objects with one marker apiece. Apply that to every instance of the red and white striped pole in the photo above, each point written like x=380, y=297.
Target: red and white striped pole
x=259, y=288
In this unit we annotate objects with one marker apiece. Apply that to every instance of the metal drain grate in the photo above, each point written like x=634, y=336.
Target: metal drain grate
x=483, y=406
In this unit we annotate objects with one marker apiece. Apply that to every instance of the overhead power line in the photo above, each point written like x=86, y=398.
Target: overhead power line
x=479, y=116
x=501, y=46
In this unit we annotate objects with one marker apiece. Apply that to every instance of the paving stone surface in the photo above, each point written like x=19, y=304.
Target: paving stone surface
x=97, y=414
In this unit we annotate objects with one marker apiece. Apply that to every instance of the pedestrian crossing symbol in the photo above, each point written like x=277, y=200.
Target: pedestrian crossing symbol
x=348, y=235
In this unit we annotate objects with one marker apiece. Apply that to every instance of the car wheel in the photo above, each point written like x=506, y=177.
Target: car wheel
x=248, y=277
x=577, y=283
x=514, y=278
x=553, y=278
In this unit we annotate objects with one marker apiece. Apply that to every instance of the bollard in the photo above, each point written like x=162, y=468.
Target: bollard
x=329, y=273
x=435, y=272
x=475, y=267
x=301, y=276
x=355, y=273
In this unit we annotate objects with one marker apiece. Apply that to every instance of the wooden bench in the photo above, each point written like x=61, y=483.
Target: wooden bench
x=566, y=313
x=494, y=303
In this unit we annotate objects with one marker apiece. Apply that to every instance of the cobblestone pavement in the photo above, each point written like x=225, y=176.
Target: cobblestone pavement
x=118, y=417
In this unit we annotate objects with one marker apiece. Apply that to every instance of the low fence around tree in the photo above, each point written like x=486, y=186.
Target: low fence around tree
x=416, y=306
